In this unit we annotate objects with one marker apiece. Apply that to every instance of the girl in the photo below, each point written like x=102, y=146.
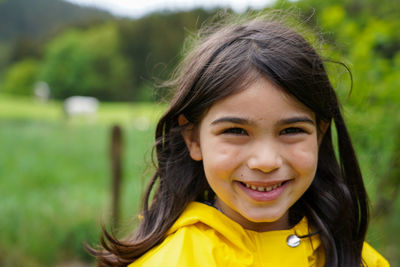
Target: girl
x=246, y=168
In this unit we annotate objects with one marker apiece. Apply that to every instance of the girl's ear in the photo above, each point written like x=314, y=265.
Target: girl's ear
x=323, y=127
x=190, y=135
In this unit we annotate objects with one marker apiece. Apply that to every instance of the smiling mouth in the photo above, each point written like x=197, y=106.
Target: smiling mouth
x=263, y=188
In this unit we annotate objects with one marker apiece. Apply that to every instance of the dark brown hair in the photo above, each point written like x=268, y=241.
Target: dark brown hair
x=227, y=59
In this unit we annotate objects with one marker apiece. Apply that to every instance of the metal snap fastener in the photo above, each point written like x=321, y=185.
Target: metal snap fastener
x=293, y=241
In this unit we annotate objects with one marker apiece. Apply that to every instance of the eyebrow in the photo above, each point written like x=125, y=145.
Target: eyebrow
x=239, y=120
x=236, y=120
x=296, y=120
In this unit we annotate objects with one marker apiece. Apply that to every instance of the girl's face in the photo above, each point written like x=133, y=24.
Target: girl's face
x=259, y=149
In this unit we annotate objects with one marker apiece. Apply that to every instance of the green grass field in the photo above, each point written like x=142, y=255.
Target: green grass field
x=55, y=184
x=55, y=177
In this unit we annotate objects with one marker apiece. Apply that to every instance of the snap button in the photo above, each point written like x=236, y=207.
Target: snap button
x=293, y=241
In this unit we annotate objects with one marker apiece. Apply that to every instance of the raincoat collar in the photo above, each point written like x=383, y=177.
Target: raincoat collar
x=199, y=213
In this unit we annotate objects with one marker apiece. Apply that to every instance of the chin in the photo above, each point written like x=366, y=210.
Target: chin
x=265, y=218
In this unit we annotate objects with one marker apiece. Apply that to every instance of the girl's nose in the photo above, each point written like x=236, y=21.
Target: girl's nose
x=265, y=158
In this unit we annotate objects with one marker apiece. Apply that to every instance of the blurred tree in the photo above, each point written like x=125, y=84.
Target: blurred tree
x=153, y=44
x=88, y=63
x=21, y=77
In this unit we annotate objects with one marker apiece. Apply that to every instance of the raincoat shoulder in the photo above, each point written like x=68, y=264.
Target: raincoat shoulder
x=372, y=258
x=203, y=236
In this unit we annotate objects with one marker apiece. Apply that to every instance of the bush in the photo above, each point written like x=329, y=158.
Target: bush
x=21, y=77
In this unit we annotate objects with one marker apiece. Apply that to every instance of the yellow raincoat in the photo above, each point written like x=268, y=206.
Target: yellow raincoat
x=204, y=237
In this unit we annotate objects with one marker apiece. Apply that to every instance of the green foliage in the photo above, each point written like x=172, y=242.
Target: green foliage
x=25, y=25
x=5, y=51
x=21, y=77
x=119, y=60
x=88, y=63
x=153, y=44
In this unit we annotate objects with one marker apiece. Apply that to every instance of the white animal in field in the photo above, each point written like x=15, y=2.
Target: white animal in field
x=80, y=105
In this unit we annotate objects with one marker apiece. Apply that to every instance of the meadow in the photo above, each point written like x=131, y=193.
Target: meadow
x=55, y=178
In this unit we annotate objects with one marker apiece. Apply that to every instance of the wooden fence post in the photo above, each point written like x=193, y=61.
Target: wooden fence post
x=116, y=170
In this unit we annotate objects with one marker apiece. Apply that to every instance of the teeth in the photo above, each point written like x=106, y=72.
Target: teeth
x=262, y=188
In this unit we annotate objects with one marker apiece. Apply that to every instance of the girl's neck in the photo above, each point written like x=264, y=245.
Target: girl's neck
x=280, y=224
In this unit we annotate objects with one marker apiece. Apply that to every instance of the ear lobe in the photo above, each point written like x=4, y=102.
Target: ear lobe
x=322, y=128
x=182, y=121
x=190, y=135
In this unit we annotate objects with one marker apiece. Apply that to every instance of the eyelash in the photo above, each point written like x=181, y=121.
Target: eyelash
x=235, y=131
x=292, y=130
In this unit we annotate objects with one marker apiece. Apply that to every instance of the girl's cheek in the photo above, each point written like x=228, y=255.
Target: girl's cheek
x=222, y=159
x=304, y=157
x=225, y=158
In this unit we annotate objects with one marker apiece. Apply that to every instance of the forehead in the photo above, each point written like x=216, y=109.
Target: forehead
x=261, y=100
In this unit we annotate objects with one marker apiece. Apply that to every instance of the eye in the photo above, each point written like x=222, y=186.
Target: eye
x=235, y=131
x=292, y=130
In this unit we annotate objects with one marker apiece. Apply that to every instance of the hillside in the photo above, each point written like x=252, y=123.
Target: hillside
x=35, y=19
